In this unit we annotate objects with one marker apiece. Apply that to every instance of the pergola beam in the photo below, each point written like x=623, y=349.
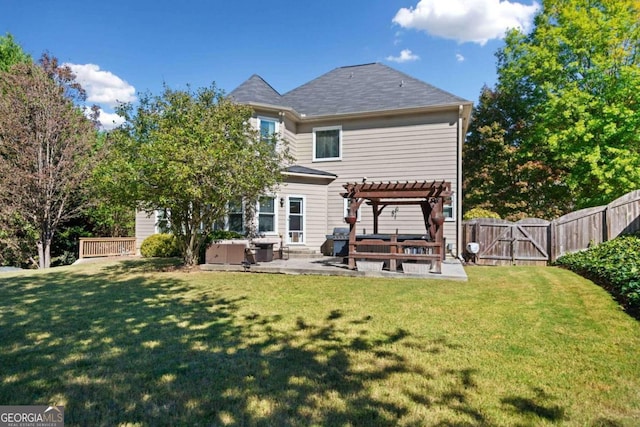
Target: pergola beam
x=397, y=189
x=414, y=202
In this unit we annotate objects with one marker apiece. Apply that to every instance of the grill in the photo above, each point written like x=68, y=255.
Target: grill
x=340, y=239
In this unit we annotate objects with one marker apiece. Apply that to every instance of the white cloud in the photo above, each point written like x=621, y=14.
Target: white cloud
x=476, y=21
x=459, y=57
x=405, y=56
x=110, y=121
x=103, y=87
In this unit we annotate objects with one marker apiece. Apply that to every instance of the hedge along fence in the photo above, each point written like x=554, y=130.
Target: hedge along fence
x=536, y=241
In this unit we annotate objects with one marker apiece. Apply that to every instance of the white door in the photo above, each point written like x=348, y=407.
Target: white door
x=295, y=220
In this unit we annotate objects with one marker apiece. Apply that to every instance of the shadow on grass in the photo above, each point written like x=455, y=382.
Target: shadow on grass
x=124, y=347
x=146, y=265
x=540, y=406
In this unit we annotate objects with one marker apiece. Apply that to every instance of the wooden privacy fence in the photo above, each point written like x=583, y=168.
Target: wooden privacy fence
x=525, y=242
x=536, y=241
x=107, y=246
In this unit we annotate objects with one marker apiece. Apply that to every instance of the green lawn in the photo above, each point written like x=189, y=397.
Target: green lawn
x=128, y=344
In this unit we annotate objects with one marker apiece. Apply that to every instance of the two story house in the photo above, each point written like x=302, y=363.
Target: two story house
x=357, y=123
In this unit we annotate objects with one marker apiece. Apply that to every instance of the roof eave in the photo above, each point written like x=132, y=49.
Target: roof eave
x=467, y=105
x=281, y=109
x=310, y=175
x=301, y=117
x=465, y=114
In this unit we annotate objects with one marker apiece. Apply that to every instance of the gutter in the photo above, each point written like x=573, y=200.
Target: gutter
x=310, y=176
x=301, y=117
x=461, y=138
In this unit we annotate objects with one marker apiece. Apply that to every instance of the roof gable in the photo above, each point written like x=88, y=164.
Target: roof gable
x=256, y=89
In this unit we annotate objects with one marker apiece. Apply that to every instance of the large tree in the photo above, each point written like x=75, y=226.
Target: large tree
x=46, y=147
x=190, y=152
x=11, y=53
x=17, y=241
x=503, y=174
x=573, y=89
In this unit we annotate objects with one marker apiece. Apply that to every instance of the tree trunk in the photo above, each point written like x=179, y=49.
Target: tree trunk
x=190, y=258
x=40, y=254
x=47, y=254
x=249, y=219
x=44, y=253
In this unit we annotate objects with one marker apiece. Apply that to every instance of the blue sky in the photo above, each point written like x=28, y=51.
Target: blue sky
x=120, y=48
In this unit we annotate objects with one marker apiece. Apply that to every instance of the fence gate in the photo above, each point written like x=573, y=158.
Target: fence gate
x=525, y=242
x=535, y=241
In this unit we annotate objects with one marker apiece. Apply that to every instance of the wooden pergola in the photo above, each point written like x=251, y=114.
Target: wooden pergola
x=428, y=195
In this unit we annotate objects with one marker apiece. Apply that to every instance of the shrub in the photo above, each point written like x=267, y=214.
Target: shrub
x=159, y=246
x=614, y=265
x=218, y=235
x=64, y=249
x=480, y=213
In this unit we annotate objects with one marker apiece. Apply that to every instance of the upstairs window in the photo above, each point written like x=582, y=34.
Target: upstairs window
x=268, y=129
x=327, y=143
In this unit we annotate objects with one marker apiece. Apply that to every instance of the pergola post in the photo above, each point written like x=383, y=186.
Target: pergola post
x=426, y=215
x=376, y=215
x=436, y=220
x=354, y=205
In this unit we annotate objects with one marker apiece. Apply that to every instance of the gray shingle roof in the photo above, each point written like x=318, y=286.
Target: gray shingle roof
x=347, y=90
x=309, y=171
x=255, y=89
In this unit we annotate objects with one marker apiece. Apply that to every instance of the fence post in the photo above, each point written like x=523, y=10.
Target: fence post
x=553, y=250
x=605, y=224
x=513, y=244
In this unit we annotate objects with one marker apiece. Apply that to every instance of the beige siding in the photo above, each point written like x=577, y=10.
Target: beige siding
x=288, y=134
x=389, y=148
x=145, y=227
x=419, y=147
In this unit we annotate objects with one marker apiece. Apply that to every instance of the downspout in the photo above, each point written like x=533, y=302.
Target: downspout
x=458, y=251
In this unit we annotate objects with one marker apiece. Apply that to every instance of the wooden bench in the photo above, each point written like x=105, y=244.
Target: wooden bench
x=393, y=252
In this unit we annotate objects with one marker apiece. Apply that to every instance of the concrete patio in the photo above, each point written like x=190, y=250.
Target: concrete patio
x=452, y=269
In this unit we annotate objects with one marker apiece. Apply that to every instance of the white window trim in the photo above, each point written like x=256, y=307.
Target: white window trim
x=304, y=219
x=345, y=205
x=275, y=215
x=157, y=217
x=452, y=218
x=327, y=159
x=276, y=131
